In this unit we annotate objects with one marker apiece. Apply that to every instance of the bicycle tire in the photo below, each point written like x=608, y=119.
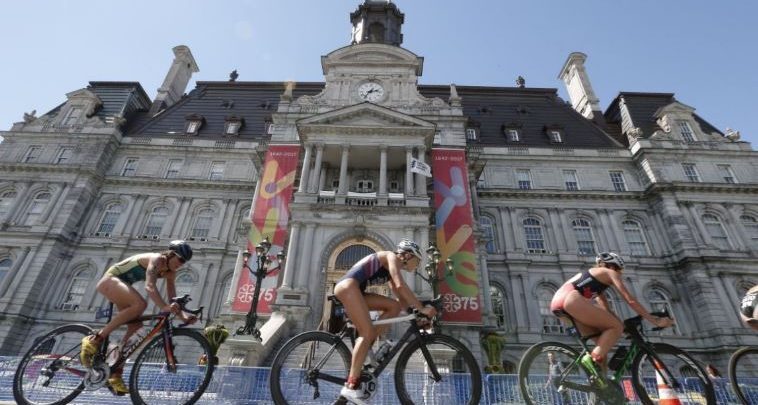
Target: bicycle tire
x=744, y=355
x=534, y=380
x=695, y=389
x=461, y=387
x=44, y=356
x=287, y=382
x=151, y=382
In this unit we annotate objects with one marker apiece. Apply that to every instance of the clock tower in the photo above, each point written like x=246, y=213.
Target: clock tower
x=377, y=21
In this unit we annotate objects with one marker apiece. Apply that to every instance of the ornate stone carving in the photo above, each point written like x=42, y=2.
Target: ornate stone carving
x=520, y=82
x=30, y=117
x=732, y=135
x=634, y=133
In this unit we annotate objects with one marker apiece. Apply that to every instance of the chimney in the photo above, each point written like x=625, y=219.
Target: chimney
x=583, y=98
x=176, y=81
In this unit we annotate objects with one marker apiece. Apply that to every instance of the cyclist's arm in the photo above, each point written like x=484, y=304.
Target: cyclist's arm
x=632, y=301
x=398, y=285
x=602, y=302
x=151, y=277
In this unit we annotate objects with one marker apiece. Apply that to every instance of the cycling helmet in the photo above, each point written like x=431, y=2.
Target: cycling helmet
x=610, y=258
x=181, y=248
x=407, y=245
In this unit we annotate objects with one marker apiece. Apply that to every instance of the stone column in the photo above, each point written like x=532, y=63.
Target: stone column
x=506, y=232
x=315, y=175
x=305, y=259
x=343, y=170
x=735, y=226
x=705, y=236
x=517, y=230
x=560, y=236
x=290, y=263
x=420, y=178
x=408, y=172
x=382, y=170
x=306, y=171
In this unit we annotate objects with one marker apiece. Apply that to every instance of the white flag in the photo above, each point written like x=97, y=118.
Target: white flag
x=420, y=167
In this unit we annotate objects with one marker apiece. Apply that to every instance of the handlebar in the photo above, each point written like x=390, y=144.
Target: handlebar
x=635, y=323
x=182, y=301
x=436, y=303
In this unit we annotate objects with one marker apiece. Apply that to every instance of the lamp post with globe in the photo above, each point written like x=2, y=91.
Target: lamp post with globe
x=262, y=269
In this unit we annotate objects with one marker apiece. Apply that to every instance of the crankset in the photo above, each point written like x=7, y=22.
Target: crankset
x=97, y=376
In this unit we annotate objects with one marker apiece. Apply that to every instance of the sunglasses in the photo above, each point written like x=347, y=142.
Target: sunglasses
x=181, y=260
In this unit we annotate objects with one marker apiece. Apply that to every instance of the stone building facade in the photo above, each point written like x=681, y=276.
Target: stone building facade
x=111, y=172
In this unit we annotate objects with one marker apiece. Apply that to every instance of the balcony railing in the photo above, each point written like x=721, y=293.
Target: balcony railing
x=330, y=197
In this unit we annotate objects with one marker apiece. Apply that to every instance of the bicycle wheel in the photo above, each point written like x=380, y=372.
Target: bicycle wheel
x=694, y=385
x=301, y=366
x=539, y=370
x=51, y=372
x=151, y=380
x=461, y=381
x=743, y=374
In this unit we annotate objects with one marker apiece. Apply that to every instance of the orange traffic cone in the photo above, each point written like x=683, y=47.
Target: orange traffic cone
x=666, y=394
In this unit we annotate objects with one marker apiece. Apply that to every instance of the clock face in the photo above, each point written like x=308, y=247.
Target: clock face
x=371, y=91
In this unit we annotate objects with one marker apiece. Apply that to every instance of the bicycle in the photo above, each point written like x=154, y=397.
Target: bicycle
x=651, y=365
x=170, y=368
x=743, y=366
x=431, y=367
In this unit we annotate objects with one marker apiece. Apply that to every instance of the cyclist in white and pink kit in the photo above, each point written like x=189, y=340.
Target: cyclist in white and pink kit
x=374, y=269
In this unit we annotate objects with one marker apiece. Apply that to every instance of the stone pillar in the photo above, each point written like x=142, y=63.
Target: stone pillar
x=560, y=236
x=518, y=243
x=306, y=171
x=382, y=170
x=305, y=259
x=290, y=264
x=343, y=170
x=315, y=175
x=735, y=226
x=420, y=178
x=408, y=172
x=706, y=237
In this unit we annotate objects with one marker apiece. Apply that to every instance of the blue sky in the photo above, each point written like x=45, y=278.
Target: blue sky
x=703, y=51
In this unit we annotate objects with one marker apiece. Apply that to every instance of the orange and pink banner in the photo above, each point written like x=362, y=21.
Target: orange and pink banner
x=455, y=240
x=269, y=216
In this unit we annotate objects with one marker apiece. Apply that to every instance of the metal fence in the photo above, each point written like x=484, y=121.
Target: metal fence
x=249, y=385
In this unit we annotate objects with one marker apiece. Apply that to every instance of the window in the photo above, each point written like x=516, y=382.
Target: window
x=533, y=233
x=686, y=131
x=156, y=221
x=5, y=268
x=6, y=200
x=550, y=323
x=488, y=233
x=524, y=178
x=394, y=186
x=513, y=135
x=73, y=116
x=659, y=301
x=690, y=171
x=555, y=136
x=203, y=223
x=751, y=226
x=130, y=167
x=365, y=186
x=36, y=208
x=584, y=240
x=77, y=289
x=173, y=168
x=110, y=218
x=64, y=155
x=232, y=127
x=268, y=127
x=635, y=239
x=726, y=173
x=716, y=231
x=471, y=134
x=32, y=154
x=569, y=178
x=350, y=255
x=185, y=280
x=194, y=123
x=217, y=171
x=617, y=179
x=497, y=296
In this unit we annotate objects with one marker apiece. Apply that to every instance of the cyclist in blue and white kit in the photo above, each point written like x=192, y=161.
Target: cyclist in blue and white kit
x=374, y=269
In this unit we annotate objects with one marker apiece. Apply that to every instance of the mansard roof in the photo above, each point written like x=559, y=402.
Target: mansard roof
x=530, y=110
x=116, y=98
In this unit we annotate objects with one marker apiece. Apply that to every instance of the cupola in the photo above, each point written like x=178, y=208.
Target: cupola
x=377, y=21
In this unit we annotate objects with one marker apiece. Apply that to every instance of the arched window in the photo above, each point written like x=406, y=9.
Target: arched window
x=635, y=238
x=716, y=231
x=550, y=323
x=497, y=296
x=37, y=207
x=351, y=255
x=184, y=283
x=751, y=227
x=584, y=240
x=535, y=243
x=203, y=223
x=76, y=290
x=156, y=221
x=223, y=293
x=659, y=301
x=110, y=217
x=5, y=267
x=6, y=202
x=488, y=233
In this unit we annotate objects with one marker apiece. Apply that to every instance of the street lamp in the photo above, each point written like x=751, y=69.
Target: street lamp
x=262, y=269
x=434, y=257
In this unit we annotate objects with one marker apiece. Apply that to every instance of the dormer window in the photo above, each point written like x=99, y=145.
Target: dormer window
x=74, y=113
x=232, y=126
x=513, y=135
x=194, y=123
x=555, y=136
x=686, y=131
x=471, y=134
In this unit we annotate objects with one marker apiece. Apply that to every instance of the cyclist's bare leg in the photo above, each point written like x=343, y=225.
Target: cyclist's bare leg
x=390, y=308
x=349, y=293
x=129, y=302
x=751, y=322
x=591, y=319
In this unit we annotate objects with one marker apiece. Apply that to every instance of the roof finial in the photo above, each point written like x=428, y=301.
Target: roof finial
x=455, y=99
x=233, y=76
x=520, y=82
